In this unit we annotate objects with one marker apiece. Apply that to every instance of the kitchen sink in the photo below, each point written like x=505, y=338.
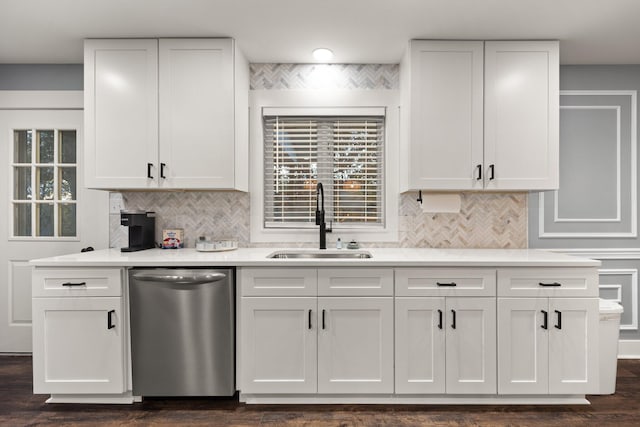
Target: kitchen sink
x=320, y=255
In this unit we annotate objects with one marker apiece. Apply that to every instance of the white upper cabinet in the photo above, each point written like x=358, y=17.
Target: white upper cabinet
x=168, y=113
x=121, y=112
x=445, y=81
x=480, y=115
x=521, y=127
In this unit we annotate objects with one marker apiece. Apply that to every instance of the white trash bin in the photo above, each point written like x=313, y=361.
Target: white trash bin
x=610, y=312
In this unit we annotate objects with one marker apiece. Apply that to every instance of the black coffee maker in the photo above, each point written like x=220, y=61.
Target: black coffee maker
x=142, y=229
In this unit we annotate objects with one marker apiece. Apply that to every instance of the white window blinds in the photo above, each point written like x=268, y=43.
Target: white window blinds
x=344, y=153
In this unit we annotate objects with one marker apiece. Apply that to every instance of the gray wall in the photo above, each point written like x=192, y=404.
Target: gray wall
x=588, y=214
x=41, y=77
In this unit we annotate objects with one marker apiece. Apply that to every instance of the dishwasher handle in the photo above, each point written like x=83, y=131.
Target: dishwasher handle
x=190, y=278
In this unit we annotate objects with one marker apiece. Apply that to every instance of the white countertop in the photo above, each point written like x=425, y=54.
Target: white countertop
x=257, y=257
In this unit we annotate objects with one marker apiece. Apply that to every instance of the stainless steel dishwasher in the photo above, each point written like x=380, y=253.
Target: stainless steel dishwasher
x=182, y=331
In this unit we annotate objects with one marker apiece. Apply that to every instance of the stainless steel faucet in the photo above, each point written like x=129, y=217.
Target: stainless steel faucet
x=320, y=216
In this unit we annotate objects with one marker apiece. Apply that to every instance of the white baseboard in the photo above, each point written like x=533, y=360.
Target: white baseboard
x=629, y=349
x=393, y=399
x=118, y=399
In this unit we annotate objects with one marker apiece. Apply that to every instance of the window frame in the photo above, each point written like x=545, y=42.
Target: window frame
x=325, y=165
x=329, y=103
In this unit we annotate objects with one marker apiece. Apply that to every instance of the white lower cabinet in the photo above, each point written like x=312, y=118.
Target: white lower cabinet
x=78, y=345
x=343, y=346
x=355, y=345
x=308, y=344
x=279, y=345
x=445, y=345
x=548, y=345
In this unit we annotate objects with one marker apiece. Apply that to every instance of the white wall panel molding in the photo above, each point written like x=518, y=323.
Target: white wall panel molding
x=618, y=289
x=632, y=231
x=629, y=349
x=633, y=272
x=556, y=193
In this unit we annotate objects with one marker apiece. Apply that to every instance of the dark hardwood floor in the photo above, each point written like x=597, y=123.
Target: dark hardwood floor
x=19, y=407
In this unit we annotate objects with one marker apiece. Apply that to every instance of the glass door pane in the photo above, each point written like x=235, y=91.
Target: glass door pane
x=22, y=183
x=44, y=219
x=67, y=220
x=45, y=146
x=22, y=219
x=67, y=150
x=22, y=146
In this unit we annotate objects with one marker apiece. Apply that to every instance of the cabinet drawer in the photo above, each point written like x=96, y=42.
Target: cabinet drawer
x=278, y=282
x=445, y=282
x=73, y=282
x=540, y=282
x=355, y=282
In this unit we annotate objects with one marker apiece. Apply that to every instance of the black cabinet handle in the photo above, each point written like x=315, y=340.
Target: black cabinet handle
x=453, y=321
x=162, y=166
x=74, y=284
x=554, y=284
x=110, y=324
x=559, y=324
x=545, y=319
x=479, y=177
x=149, y=166
x=309, y=319
x=446, y=284
x=492, y=170
x=323, y=325
x=439, y=319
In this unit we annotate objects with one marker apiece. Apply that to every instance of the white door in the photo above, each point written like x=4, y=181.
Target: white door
x=446, y=115
x=80, y=345
x=121, y=106
x=355, y=345
x=523, y=345
x=196, y=113
x=573, y=345
x=471, y=345
x=420, y=345
x=279, y=345
x=521, y=115
x=46, y=209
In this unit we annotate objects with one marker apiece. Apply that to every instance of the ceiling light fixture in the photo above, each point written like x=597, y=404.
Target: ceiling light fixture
x=322, y=54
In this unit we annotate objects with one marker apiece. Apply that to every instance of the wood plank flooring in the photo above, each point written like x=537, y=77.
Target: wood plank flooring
x=19, y=407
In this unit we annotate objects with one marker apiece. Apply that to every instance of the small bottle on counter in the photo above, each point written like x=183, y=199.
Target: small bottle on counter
x=338, y=244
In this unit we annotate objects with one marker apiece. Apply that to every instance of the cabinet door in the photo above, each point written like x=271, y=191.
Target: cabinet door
x=278, y=345
x=523, y=345
x=446, y=115
x=78, y=345
x=355, y=345
x=521, y=113
x=121, y=113
x=196, y=113
x=420, y=345
x=471, y=345
x=573, y=345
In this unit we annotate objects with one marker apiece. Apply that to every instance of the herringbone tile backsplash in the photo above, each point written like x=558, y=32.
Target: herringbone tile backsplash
x=323, y=76
x=485, y=220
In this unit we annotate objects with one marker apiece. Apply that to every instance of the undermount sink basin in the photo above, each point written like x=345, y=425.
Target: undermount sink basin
x=320, y=255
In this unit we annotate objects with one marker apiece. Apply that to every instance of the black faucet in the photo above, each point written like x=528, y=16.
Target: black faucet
x=320, y=216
